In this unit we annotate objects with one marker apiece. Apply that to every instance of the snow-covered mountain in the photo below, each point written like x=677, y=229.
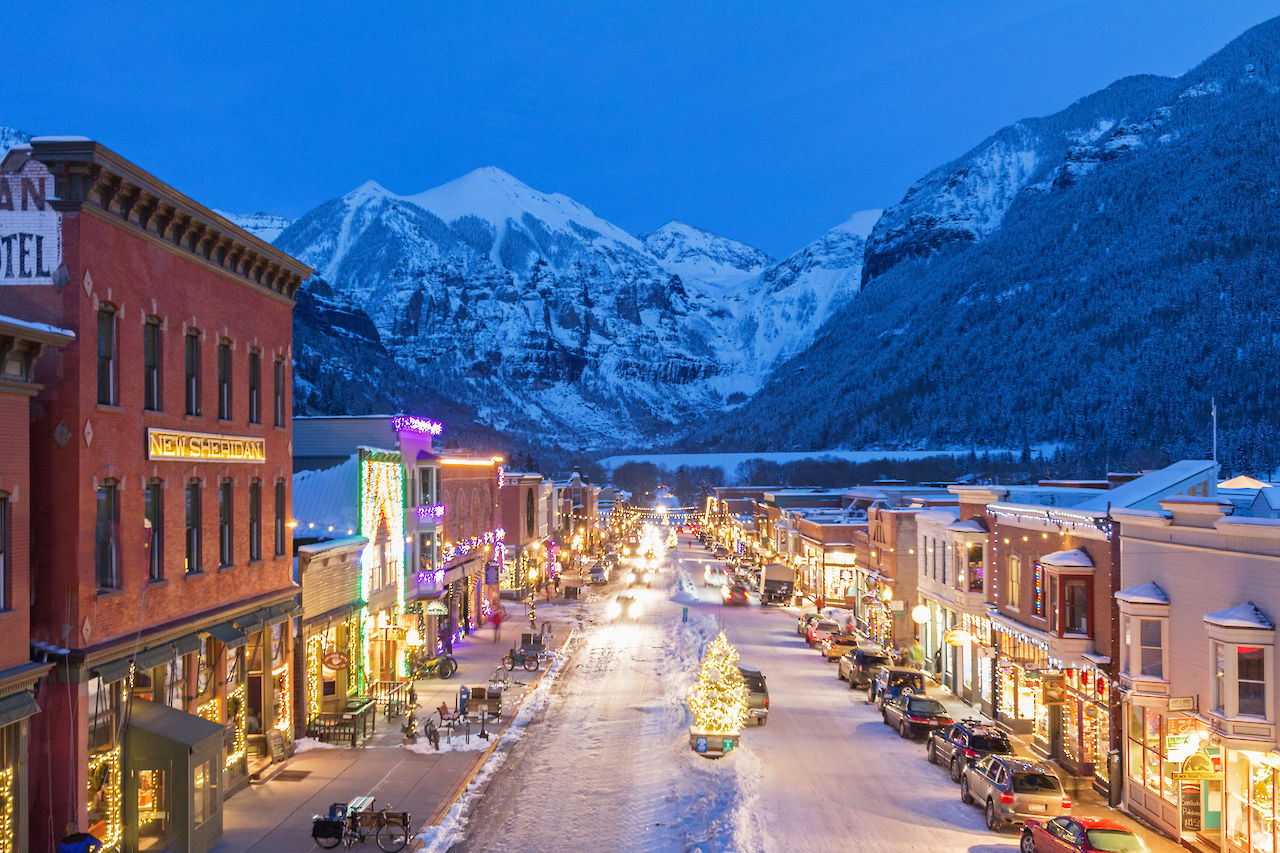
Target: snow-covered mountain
x=10, y=137
x=693, y=253
x=966, y=199
x=264, y=226
x=554, y=322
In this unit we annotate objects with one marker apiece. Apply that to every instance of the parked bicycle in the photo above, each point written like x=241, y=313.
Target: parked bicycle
x=347, y=823
x=529, y=660
x=425, y=666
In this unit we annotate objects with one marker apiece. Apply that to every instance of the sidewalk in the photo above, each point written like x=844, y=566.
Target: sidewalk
x=275, y=815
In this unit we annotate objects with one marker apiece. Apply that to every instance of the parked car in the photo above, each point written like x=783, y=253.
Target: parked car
x=721, y=552
x=859, y=664
x=802, y=622
x=1011, y=789
x=964, y=742
x=1079, y=835
x=909, y=714
x=889, y=681
x=834, y=646
x=625, y=606
x=599, y=573
x=820, y=629
x=757, y=694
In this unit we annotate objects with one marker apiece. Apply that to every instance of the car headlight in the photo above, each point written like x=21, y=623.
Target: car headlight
x=614, y=609
x=634, y=611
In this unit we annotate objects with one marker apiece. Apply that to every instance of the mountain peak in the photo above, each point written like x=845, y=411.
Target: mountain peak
x=693, y=252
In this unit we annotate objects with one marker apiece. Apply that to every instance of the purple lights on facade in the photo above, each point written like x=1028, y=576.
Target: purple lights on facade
x=435, y=512
x=412, y=423
x=435, y=577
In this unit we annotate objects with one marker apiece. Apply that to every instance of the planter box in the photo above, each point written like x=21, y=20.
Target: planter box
x=712, y=744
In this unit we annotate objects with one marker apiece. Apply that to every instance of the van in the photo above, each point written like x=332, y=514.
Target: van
x=757, y=694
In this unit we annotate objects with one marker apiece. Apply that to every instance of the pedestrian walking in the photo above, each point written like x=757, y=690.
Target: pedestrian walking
x=495, y=618
x=557, y=584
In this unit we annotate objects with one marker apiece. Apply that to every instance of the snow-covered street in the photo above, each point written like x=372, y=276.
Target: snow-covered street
x=605, y=765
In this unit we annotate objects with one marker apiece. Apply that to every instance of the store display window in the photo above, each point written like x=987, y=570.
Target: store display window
x=1251, y=806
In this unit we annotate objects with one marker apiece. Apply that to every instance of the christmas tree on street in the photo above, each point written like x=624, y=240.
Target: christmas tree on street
x=719, y=697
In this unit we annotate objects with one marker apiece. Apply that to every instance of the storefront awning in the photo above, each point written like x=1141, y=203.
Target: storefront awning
x=151, y=658
x=272, y=615
x=113, y=671
x=187, y=645
x=173, y=725
x=17, y=707
x=228, y=635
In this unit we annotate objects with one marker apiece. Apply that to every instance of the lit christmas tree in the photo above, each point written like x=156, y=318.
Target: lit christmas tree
x=719, y=697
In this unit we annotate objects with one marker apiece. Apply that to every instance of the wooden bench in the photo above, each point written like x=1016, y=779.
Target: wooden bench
x=448, y=719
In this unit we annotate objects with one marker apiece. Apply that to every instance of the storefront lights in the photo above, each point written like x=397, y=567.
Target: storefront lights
x=920, y=614
x=416, y=425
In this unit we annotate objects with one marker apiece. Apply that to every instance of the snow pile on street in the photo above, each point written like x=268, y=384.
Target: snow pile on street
x=306, y=744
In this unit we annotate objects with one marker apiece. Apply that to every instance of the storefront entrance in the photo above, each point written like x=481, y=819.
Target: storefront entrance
x=173, y=780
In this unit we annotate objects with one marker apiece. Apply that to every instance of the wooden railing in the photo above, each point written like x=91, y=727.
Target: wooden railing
x=351, y=725
x=390, y=696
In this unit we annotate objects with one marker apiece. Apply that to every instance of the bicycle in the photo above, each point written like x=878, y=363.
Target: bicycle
x=349, y=823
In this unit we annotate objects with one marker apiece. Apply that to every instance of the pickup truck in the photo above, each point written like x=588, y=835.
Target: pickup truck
x=777, y=582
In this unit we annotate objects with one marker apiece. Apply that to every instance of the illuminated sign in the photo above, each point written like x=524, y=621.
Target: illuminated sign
x=410, y=423
x=166, y=444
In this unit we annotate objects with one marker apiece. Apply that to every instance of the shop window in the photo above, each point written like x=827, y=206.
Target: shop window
x=225, y=531
x=153, y=517
x=255, y=387
x=151, y=352
x=1240, y=685
x=224, y=380
x=204, y=792
x=1013, y=580
x=105, y=547
x=255, y=520
x=1251, y=801
x=191, y=384
x=107, y=391
x=1148, y=765
x=193, y=530
x=280, y=522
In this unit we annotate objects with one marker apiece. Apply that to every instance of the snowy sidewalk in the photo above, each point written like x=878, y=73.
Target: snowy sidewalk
x=276, y=815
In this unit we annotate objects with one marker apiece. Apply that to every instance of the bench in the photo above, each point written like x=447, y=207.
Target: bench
x=490, y=701
x=448, y=719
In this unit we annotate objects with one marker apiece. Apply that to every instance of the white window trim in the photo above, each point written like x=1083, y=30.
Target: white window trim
x=1131, y=651
x=1228, y=707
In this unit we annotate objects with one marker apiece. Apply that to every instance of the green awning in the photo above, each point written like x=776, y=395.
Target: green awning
x=271, y=615
x=153, y=657
x=17, y=707
x=188, y=644
x=113, y=671
x=227, y=634
x=293, y=605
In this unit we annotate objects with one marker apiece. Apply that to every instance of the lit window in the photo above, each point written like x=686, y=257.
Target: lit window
x=1013, y=580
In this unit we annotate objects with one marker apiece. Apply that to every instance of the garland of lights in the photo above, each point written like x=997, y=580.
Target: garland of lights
x=111, y=791
x=315, y=648
x=281, y=674
x=8, y=832
x=718, y=699
x=240, y=727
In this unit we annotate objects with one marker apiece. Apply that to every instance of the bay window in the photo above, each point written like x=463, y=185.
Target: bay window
x=1241, y=667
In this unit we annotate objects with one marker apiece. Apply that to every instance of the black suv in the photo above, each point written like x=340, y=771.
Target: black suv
x=965, y=741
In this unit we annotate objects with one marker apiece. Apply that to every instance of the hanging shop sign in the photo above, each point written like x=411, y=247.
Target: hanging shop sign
x=1198, y=766
x=30, y=229
x=1182, y=703
x=336, y=660
x=434, y=608
x=1053, y=688
x=957, y=637
x=168, y=444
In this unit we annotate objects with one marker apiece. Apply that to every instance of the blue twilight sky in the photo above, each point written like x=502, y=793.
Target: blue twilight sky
x=765, y=122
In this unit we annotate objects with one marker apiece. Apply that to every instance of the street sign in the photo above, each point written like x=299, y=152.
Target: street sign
x=1182, y=703
x=701, y=745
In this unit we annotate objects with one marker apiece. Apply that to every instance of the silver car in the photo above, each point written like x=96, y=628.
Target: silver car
x=1012, y=789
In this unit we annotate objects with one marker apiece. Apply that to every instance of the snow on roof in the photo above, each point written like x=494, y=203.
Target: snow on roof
x=327, y=498
x=1154, y=484
x=1242, y=482
x=1245, y=615
x=60, y=139
x=1074, y=558
x=1147, y=593
x=971, y=525
x=333, y=545
x=1271, y=494
x=36, y=327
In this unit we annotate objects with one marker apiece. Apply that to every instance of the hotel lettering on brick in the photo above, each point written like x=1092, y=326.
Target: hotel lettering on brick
x=161, y=558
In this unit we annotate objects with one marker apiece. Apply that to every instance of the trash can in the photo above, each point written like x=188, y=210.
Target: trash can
x=464, y=696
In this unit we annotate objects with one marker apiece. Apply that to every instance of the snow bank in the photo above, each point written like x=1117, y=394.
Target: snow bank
x=306, y=744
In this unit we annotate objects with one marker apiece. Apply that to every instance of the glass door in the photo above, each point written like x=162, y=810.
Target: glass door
x=153, y=809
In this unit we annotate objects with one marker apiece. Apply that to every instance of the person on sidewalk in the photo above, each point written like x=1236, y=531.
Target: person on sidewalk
x=495, y=618
x=77, y=841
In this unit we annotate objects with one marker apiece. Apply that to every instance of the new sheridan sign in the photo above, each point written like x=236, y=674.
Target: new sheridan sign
x=166, y=444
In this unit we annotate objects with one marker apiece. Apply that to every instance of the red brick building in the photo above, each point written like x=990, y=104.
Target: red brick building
x=160, y=498
x=20, y=346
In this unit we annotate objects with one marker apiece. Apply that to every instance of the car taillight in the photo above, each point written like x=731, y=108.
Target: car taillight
x=1066, y=802
x=970, y=753
x=766, y=701
x=945, y=721
x=1006, y=797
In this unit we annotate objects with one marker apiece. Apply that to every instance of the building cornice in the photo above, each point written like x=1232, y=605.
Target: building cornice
x=88, y=177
